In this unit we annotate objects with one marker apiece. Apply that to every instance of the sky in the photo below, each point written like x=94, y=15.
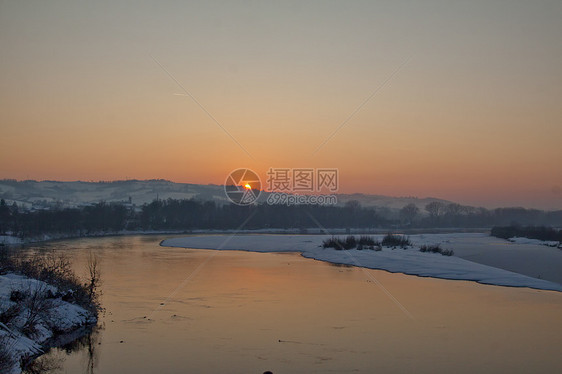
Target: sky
x=460, y=100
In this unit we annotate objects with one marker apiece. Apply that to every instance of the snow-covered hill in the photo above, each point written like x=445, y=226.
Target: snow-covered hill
x=69, y=194
x=44, y=194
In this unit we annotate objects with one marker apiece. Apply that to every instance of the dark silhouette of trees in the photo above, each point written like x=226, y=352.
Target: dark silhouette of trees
x=435, y=209
x=191, y=214
x=409, y=213
x=532, y=232
x=5, y=215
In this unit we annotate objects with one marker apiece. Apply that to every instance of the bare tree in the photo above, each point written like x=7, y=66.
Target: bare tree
x=435, y=209
x=409, y=212
x=94, y=278
x=36, y=305
x=454, y=209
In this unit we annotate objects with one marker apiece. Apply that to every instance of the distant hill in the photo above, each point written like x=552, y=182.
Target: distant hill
x=45, y=194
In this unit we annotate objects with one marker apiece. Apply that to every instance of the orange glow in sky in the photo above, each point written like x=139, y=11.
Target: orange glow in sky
x=457, y=100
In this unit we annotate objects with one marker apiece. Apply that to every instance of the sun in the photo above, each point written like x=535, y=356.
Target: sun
x=247, y=186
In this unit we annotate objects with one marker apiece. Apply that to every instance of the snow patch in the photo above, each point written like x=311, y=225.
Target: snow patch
x=523, y=240
x=57, y=317
x=408, y=261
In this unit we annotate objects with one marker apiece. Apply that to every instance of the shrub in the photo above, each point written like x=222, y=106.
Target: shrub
x=36, y=305
x=391, y=240
x=368, y=240
x=55, y=269
x=350, y=242
x=436, y=249
x=334, y=242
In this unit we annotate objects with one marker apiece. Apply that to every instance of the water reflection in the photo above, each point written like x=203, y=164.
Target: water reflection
x=244, y=312
x=87, y=344
x=340, y=265
x=45, y=364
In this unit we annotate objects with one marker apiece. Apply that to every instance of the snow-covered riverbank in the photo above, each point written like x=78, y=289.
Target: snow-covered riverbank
x=32, y=314
x=10, y=240
x=480, y=248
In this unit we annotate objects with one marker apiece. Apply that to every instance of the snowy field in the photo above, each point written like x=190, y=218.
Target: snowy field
x=50, y=316
x=473, y=255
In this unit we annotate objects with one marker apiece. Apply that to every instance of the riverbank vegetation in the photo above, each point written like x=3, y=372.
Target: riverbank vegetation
x=40, y=298
x=54, y=269
x=367, y=242
x=436, y=249
x=531, y=232
x=389, y=240
x=170, y=214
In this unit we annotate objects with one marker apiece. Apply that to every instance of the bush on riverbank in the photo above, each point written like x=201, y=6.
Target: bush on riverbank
x=366, y=242
x=40, y=298
x=436, y=249
x=391, y=240
x=55, y=270
x=531, y=232
x=350, y=242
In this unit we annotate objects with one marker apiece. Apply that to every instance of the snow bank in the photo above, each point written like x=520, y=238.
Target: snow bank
x=408, y=261
x=56, y=317
x=523, y=240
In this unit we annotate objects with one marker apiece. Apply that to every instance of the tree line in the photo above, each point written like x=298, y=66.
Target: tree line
x=531, y=232
x=190, y=214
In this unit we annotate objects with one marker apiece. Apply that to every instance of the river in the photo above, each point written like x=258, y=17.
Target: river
x=175, y=310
